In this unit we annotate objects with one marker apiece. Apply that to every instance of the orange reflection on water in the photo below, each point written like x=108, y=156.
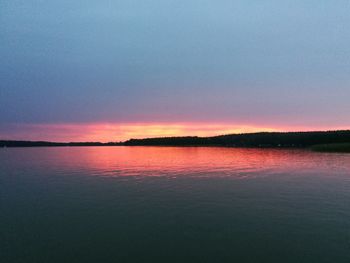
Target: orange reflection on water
x=184, y=161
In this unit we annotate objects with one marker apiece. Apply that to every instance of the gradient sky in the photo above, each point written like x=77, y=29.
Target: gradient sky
x=108, y=70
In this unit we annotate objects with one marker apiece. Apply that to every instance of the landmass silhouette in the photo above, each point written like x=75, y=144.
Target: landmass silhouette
x=319, y=140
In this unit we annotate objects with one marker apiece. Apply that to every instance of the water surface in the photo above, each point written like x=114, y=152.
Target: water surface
x=169, y=204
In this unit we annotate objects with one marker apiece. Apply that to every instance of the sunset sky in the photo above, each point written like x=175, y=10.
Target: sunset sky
x=97, y=70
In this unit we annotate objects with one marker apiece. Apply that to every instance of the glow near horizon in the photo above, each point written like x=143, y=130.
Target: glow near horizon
x=108, y=132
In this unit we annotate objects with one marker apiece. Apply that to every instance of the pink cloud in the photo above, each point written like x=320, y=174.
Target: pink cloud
x=106, y=132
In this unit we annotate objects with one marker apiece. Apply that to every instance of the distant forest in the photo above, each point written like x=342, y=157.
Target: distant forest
x=262, y=139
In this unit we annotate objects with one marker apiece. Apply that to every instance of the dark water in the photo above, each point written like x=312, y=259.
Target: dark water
x=138, y=204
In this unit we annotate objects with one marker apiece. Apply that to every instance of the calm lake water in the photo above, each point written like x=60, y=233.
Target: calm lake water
x=168, y=204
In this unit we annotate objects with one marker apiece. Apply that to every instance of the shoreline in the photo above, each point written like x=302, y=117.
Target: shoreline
x=327, y=141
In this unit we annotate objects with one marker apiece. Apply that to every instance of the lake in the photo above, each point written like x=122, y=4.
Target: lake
x=173, y=204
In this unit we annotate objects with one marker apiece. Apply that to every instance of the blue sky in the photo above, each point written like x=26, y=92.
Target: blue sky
x=269, y=63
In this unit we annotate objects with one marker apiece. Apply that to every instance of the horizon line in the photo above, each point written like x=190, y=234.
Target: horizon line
x=162, y=137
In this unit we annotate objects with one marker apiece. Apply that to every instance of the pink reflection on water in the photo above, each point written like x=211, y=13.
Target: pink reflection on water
x=179, y=161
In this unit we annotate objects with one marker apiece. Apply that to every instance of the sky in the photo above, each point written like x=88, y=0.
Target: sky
x=111, y=70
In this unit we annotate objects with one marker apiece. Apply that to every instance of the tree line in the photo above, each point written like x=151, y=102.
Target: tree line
x=261, y=139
